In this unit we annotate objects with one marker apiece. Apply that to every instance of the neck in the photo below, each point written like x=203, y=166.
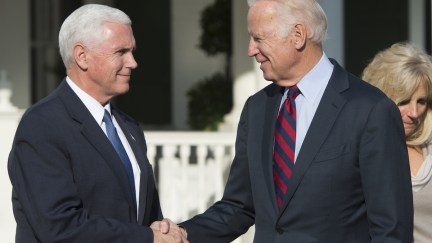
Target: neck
x=87, y=86
x=309, y=57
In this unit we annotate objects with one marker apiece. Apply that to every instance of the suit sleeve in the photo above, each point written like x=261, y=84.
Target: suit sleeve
x=386, y=176
x=46, y=198
x=234, y=214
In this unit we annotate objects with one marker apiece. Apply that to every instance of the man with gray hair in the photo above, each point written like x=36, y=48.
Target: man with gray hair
x=320, y=154
x=78, y=165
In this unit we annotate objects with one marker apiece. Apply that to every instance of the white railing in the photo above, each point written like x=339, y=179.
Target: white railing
x=191, y=169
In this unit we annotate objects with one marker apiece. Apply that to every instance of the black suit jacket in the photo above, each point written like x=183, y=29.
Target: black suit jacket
x=69, y=184
x=351, y=181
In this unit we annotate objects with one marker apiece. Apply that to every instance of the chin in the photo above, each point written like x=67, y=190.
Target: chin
x=408, y=132
x=124, y=89
x=268, y=77
x=284, y=83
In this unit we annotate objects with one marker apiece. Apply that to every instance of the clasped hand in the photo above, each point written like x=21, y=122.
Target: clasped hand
x=167, y=231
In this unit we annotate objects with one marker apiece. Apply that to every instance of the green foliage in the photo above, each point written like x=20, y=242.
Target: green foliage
x=216, y=26
x=209, y=100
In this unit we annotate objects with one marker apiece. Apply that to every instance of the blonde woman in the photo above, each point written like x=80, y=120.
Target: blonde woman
x=404, y=73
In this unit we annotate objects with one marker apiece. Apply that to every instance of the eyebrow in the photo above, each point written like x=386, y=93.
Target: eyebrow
x=124, y=49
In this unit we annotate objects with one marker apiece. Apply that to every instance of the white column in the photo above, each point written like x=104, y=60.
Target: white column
x=15, y=48
x=334, y=45
x=247, y=77
x=416, y=23
x=189, y=63
x=8, y=124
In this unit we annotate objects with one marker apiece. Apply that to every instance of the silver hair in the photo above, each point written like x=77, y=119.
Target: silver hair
x=84, y=25
x=308, y=12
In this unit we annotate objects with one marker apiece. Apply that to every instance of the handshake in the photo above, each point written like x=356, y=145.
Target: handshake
x=168, y=231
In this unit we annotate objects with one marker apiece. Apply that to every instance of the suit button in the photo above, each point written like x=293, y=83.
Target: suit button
x=279, y=230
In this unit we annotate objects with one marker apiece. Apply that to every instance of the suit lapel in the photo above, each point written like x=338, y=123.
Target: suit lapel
x=327, y=112
x=271, y=113
x=95, y=136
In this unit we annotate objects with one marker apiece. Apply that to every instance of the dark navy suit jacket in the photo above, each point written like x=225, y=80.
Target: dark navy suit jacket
x=69, y=184
x=351, y=181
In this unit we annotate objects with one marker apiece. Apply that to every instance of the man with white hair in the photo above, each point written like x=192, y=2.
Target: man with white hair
x=78, y=165
x=320, y=154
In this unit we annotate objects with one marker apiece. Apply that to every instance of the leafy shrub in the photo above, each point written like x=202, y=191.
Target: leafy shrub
x=209, y=100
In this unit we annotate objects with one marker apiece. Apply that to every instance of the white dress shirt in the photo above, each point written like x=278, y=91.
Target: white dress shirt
x=97, y=111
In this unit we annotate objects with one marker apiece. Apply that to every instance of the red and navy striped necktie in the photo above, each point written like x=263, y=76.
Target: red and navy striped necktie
x=284, y=145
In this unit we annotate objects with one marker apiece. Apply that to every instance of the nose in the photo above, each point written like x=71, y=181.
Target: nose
x=252, y=48
x=413, y=111
x=131, y=63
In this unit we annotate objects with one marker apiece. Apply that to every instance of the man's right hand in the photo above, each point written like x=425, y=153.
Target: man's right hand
x=166, y=231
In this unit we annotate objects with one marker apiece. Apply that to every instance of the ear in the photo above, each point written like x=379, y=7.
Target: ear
x=80, y=56
x=299, y=36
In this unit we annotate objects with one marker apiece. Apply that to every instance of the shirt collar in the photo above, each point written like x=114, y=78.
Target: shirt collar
x=316, y=79
x=95, y=108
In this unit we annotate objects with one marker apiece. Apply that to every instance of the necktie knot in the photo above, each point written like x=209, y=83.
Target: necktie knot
x=107, y=117
x=293, y=92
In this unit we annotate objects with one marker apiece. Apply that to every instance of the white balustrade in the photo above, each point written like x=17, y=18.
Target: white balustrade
x=191, y=169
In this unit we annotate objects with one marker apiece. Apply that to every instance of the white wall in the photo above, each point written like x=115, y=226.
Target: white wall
x=189, y=63
x=416, y=23
x=15, y=48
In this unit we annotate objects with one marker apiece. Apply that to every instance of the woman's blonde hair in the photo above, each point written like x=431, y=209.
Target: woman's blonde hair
x=398, y=71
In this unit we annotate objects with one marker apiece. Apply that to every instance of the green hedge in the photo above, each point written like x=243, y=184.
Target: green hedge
x=209, y=100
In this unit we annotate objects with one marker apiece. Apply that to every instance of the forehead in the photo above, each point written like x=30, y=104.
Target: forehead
x=261, y=19
x=118, y=35
x=422, y=87
x=263, y=10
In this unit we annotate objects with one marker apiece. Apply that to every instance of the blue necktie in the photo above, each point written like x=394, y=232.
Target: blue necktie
x=284, y=146
x=118, y=146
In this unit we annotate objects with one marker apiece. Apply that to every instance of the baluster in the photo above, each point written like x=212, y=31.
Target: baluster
x=202, y=185
x=184, y=173
x=219, y=170
x=151, y=154
x=169, y=192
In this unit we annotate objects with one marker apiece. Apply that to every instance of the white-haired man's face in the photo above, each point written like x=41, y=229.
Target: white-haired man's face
x=110, y=64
